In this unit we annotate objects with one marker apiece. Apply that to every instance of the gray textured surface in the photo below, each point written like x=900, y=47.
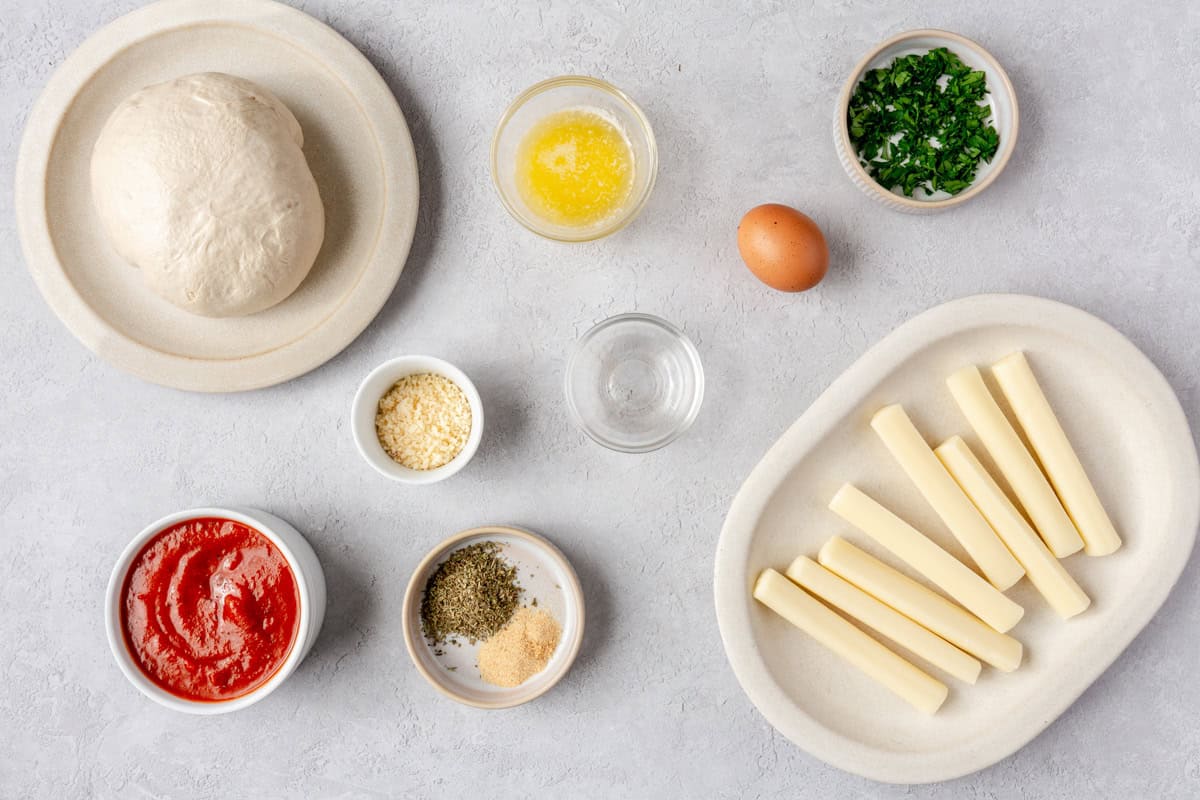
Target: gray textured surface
x=1100, y=207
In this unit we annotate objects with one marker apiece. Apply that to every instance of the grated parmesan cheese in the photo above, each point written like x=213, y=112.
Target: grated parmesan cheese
x=423, y=421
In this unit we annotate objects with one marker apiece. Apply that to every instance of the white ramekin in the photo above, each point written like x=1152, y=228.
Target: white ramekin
x=310, y=584
x=366, y=404
x=1004, y=104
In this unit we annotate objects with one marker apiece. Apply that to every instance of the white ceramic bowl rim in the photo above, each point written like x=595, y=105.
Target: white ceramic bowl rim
x=1002, y=156
x=366, y=404
x=116, y=637
x=635, y=208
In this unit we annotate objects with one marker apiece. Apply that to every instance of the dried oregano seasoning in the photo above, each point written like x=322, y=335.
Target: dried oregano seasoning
x=471, y=594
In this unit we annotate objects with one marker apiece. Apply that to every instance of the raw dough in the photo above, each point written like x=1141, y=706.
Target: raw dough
x=201, y=183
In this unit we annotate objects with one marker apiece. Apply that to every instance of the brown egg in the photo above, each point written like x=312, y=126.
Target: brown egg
x=782, y=247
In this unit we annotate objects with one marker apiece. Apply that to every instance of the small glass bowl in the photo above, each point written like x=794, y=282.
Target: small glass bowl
x=558, y=94
x=634, y=383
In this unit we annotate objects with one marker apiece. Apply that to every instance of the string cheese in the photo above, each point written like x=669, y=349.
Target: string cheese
x=921, y=605
x=808, y=614
x=1014, y=461
x=934, y=483
x=1045, y=572
x=848, y=598
x=919, y=552
x=1054, y=450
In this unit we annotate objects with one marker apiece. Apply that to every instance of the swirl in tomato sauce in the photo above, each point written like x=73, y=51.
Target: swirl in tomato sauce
x=210, y=609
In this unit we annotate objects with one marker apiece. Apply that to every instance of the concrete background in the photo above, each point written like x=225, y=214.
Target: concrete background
x=1100, y=207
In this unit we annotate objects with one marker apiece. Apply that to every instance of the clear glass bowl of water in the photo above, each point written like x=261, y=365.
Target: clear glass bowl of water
x=634, y=383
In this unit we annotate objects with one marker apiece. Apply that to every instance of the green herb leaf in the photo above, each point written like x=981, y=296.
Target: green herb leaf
x=911, y=130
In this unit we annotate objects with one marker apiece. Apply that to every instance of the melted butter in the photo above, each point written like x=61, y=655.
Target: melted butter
x=575, y=168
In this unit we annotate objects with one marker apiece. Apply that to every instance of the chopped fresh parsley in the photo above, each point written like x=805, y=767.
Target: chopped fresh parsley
x=922, y=121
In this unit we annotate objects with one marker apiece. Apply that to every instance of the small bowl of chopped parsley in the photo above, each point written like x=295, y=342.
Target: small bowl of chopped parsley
x=927, y=120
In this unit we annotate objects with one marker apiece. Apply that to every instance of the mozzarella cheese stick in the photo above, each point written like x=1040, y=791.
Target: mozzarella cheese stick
x=1014, y=461
x=1045, y=572
x=934, y=483
x=808, y=614
x=848, y=598
x=921, y=605
x=919, y=552
x=1049, y=441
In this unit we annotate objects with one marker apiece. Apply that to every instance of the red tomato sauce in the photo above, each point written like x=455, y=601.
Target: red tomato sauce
x=210, y=609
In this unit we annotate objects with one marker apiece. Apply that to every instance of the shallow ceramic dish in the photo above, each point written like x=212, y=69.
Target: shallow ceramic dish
x=366, y=405
x=544, y=574
x=310, y=585
x=1002, y=98
x=1132, y=437
x=355, y=140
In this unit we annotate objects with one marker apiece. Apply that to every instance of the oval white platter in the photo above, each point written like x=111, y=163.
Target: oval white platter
x=356, y=142
x=1132, y=437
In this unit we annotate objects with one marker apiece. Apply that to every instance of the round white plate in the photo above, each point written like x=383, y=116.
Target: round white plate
x=544, y=574
x=1131, y=435
x=355, y=140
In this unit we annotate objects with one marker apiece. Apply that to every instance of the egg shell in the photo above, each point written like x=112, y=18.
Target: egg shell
x=782, y=247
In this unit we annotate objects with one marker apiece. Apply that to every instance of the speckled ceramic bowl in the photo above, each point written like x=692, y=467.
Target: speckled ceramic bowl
x=1001, y=95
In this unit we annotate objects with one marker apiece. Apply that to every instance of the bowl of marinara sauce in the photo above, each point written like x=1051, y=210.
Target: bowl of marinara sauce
x=210, y=609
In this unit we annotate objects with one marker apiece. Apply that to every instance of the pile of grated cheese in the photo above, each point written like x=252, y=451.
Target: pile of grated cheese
x=423, y=421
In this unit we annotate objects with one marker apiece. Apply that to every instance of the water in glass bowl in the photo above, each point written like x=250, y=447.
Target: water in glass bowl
x=634, y=383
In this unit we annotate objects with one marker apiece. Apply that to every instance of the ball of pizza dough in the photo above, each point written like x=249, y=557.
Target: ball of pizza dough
x=200, y=182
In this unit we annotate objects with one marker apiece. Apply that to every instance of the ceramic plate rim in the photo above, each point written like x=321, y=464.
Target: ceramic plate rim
x=731, y=590
x=352, y=312
x=573, y=592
